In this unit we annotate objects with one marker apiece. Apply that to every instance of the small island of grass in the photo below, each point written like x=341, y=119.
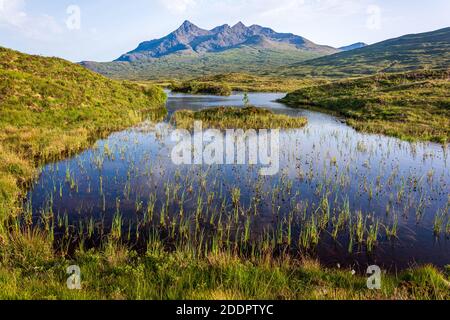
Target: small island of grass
x=242, y=118
x=195, y=87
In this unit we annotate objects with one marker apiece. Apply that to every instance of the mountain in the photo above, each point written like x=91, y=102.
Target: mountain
x=193, y=51
x=430, y=50
x=190, y=39
x=354, y=46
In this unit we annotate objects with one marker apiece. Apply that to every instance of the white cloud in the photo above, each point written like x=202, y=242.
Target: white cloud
x=178, y=6
x=14, y=16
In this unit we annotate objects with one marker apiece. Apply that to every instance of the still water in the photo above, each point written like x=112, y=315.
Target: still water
x=349, y=188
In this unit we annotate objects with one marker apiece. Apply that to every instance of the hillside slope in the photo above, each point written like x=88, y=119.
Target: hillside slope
x=50, y=108
x=411, y=106
x=429, y=50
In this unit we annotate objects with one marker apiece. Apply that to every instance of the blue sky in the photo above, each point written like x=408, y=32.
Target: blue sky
x=102, y=30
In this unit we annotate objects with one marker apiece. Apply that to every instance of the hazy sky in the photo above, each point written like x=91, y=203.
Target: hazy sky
x=102, y=30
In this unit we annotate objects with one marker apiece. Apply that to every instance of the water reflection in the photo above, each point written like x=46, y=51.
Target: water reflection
x=330, y=176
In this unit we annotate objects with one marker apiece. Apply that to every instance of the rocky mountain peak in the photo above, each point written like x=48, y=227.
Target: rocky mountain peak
x=187, y=26
x=190, y=39
x=239, y=26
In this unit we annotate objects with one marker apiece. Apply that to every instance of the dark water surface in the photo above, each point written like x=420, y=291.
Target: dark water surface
x=324, y=165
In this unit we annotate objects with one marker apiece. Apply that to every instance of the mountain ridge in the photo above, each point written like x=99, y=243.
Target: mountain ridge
x=190, y=39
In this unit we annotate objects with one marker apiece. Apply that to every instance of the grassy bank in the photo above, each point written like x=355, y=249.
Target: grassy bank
x=242, y=118
x=31, y=271
x=196, y=87
x=410, y=106
x=51, y=109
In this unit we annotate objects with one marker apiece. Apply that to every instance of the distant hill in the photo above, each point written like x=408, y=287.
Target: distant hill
x=354, y=46
x=430, y=50
x=192, y=51
x=245, y=59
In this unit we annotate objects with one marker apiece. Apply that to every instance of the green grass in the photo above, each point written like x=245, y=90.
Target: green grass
x=197, y=87
x=29, y=270
x=51, y=108
x=411, y=106
x=242, y=118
